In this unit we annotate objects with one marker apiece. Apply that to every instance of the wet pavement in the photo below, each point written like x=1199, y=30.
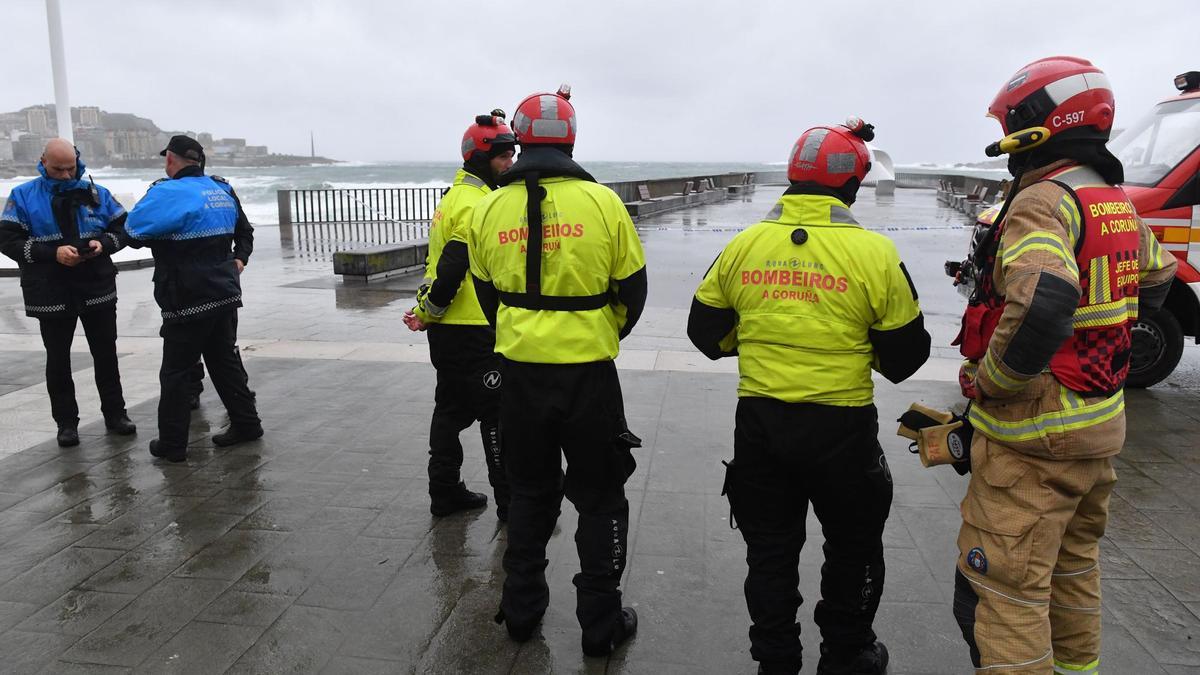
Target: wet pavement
x=313, y=550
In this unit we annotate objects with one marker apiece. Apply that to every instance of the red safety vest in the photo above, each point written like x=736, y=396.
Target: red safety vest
x=1095, y=360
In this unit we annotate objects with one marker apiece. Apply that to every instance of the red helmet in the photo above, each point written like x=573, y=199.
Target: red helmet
x=1048, y=97
x=830, y=156
x=546, y=119
x=489, y=133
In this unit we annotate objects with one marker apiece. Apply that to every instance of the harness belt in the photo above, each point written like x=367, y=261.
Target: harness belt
x=556, y=303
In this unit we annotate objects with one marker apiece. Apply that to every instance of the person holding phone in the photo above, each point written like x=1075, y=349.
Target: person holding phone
x=62, y=231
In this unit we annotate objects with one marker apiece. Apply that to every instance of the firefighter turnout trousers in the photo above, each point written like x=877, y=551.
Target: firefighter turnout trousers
x=787, y=455
x=1027, y=587
x=548, y=411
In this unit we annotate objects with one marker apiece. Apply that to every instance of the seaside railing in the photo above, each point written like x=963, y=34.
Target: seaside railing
x=357, y=205
x=315, y=223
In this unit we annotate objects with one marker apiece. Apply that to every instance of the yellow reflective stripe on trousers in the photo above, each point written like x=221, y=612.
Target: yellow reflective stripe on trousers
x=1055, y=422
x=1061, y=668
x=1112, y=313
x=1041, y=241
x=993, y=373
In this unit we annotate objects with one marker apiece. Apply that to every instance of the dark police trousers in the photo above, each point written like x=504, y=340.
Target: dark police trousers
x=58, y=333
x=468, y=389
x=547, y=411
x=785, y=456
x=214, y=337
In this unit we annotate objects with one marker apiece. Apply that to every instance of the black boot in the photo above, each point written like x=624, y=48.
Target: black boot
x=518, y=633
x=161, y=453
x=234, y=435
x=121, y=425
x=778, y=669
x=445, y=500
x=871, y=661
x=626, y=628
x=68, y=435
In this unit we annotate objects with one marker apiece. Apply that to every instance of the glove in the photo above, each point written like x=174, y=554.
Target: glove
x=966, y=380
x=939, y=437
x=425, y=309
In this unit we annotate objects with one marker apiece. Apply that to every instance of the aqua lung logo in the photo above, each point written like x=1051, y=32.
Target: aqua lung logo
x=883, y=466
x=491, y=379
x=955, y=445
x=868, y=589
x=977, y=561
x=618, y=553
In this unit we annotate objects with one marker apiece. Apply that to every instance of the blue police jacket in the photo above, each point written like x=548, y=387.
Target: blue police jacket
x=188, y=222
x=46, y=213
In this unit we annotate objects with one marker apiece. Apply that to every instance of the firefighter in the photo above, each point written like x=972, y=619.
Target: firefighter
x=1065, y=272
x=560, y=272
x=461, y=343
x=810, y=303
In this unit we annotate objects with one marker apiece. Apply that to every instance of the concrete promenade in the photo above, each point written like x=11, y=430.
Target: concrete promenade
x=313, y=550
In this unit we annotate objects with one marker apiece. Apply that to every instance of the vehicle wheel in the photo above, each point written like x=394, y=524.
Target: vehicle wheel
x=1157, y=348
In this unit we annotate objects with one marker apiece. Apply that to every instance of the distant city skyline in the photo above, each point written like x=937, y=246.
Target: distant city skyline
x=103, y=136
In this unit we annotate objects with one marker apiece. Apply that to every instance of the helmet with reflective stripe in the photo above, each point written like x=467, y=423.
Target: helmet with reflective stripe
x=1048, y=97
x=488, y=136
x=830, y=156
x=546, y=119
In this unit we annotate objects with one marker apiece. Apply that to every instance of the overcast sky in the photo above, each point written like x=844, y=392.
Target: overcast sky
x=653, y=80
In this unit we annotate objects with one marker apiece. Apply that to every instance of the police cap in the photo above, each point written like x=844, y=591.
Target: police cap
x=186, y=147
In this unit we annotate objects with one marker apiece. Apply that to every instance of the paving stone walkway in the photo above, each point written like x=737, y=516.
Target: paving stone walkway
x=313, y=550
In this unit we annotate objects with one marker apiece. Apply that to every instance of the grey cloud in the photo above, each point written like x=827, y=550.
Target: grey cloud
x=652, y=80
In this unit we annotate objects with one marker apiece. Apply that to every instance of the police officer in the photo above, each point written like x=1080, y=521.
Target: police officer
x=1065, y=272
x=190, y=221
x=810, y=303
x=62, y=231
x=461, y=343
x=559, y=270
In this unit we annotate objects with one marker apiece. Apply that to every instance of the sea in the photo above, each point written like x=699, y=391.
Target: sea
x=256, y=187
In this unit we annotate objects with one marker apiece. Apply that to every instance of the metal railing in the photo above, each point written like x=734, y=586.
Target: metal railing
x=316, y=223
x=357, y=205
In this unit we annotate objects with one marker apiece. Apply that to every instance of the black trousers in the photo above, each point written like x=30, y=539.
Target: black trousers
x=214, y=337
x=546, y=412
x=468, y=390
x=196, y=378
x=787, y=455
x=58, y=333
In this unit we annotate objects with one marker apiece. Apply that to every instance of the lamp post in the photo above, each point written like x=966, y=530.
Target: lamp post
x=58, y=63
